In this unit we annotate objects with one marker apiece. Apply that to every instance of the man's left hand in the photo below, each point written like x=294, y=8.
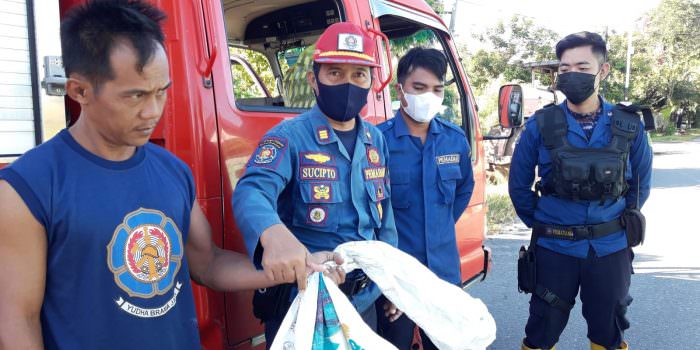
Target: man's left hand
x=316, y=263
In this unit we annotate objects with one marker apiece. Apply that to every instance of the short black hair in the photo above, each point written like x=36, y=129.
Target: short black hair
x=594, y=40
x=420, y=57
x=90, y=32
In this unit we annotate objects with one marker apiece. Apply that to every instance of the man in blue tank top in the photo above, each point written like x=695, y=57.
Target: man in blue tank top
x=101, y=231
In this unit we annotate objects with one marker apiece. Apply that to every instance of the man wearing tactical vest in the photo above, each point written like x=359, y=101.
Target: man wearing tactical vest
x=594, y=161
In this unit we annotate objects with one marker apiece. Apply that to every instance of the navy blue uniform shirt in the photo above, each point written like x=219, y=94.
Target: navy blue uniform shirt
x=302, y=176
x=431, y=186
x=530, y=153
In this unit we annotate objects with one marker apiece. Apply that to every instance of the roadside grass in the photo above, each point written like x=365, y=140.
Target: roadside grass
x=689, y=135
x=500, y=209
x=501, y=212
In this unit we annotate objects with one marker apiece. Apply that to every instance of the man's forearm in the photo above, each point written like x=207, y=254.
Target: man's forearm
x=524, y=202
x=231, y=271
x=19, y=332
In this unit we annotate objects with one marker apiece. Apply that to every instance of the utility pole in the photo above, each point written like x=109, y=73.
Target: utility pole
x=605, y=82
x=453, y=17
x=629, y=64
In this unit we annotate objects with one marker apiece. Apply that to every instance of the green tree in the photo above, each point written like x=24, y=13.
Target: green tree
x=670, y=47
x=243, y=83
x=508, y=46
x=399, y=46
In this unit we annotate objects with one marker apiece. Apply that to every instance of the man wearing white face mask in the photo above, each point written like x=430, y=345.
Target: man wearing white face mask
x=431, y=178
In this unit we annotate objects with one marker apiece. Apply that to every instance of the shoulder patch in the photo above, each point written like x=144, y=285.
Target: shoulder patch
x=269, y=152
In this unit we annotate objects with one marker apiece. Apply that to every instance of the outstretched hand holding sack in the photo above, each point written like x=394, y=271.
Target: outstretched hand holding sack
x=322, y=317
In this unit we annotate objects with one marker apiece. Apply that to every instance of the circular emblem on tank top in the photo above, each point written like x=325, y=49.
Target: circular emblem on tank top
x=147, y=253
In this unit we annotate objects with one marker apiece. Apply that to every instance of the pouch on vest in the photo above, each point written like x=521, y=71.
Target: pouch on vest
x=635, y=225
x=586, y=173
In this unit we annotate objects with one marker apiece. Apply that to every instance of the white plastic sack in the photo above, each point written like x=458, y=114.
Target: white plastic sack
x=321, y=317
x=450, y=317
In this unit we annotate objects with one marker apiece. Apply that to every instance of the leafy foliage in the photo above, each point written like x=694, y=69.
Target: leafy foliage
x=243, y=83
x=671, y=46
x=509, y=46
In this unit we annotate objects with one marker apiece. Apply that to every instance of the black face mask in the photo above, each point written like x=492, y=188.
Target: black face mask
x=576, y=86
x=341, y=102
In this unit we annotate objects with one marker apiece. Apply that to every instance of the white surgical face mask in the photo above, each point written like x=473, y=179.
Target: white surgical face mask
x=422, y=108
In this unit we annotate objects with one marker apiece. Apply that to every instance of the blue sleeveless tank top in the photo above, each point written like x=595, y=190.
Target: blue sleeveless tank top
x=117, y=275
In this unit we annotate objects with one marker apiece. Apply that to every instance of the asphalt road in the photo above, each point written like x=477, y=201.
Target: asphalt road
x=665, y=313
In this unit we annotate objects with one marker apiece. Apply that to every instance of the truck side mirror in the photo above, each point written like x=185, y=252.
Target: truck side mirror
x=510, y=106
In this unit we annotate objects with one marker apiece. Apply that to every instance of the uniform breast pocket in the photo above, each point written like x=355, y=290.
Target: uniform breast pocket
x=376, y=192
x=400, y=195
x=319, y=207
x=449, y=174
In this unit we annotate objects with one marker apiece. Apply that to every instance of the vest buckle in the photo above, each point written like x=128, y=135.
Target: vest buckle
x=583, y=232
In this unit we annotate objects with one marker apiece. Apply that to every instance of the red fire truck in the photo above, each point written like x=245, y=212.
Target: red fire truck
x=235, y=67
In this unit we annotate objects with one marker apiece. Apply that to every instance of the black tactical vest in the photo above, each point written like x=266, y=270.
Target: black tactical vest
x=586, y=174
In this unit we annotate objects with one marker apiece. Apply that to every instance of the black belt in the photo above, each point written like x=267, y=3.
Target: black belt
x=577, y=232
x=354, y=284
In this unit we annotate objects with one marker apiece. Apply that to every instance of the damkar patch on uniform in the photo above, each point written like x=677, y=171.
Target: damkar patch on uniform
x=317, y=215
x=448, y=159
x=379, y=190
x=375, y=173
x=321, y=192
x=373, y=156
x=318, y=173
x=268, y=152
x=145, y=255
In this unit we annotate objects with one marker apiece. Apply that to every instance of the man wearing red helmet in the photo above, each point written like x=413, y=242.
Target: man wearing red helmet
x=318, y=180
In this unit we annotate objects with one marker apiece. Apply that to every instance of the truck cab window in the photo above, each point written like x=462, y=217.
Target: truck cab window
x=252, y=76
x=402, y=42
x=271, y=47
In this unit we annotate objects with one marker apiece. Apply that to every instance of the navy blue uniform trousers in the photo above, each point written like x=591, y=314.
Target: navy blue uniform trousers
x=604, y=283
x=399, y=332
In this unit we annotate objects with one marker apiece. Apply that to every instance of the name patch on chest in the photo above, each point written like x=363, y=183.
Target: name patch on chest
x=448, y=159
x=318, y=173
x=375, y=173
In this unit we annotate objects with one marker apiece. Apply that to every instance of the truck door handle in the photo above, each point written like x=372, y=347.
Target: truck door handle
x=386, y=82
x=206, y=75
